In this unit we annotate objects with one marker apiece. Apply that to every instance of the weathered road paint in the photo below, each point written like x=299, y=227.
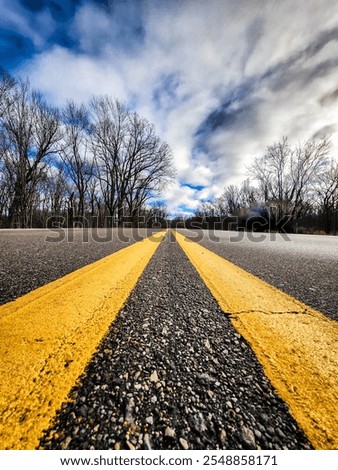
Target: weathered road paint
x=48, y=336
x=296, y=345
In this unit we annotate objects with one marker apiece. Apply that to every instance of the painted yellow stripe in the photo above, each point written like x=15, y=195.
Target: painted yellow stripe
x=297, y=346
x=48, y=336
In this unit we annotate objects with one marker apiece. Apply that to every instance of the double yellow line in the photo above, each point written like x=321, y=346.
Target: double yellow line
x=48, y=337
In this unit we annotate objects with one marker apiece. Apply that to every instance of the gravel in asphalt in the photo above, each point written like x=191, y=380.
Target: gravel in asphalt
x=173, y=373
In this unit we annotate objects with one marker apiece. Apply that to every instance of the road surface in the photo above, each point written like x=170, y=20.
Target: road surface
x=172, y=371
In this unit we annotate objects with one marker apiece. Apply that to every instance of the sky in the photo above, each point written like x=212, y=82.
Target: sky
x=220, y=79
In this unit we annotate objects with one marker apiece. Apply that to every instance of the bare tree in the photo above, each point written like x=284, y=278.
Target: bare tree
x=232, y=199
x=57, y=190
x=109, y=134
x=155, y=214
x=206, y=209
x=308, y=160
x=235, y=199
x=286, y=176
x=4, y=197
x=220, y=206
x=7, y=83
x=272, y=171
x=248, y=195
x=30, y=131
x=327, y=193
x=133, y=164
x=78, y=165
x=148, y=165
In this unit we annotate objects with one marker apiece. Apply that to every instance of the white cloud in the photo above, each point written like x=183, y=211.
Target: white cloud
x=272, y=59
x=63, y=75
x=180, y=198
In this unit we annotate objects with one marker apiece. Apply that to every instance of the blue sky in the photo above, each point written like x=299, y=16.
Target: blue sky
x=220, y=79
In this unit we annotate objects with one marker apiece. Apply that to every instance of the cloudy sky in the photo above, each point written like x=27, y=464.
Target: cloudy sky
x=220, y=79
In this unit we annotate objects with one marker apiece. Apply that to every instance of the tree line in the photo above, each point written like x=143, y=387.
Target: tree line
x=287, y=189
x=98, y=164
x=102, y=164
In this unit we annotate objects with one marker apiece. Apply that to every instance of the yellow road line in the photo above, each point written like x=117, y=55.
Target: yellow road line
x=48, y=336
x=296, y=345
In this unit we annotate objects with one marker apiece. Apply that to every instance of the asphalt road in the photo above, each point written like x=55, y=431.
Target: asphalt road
x=304, y=266
x=31, y=258
x=173, y=373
